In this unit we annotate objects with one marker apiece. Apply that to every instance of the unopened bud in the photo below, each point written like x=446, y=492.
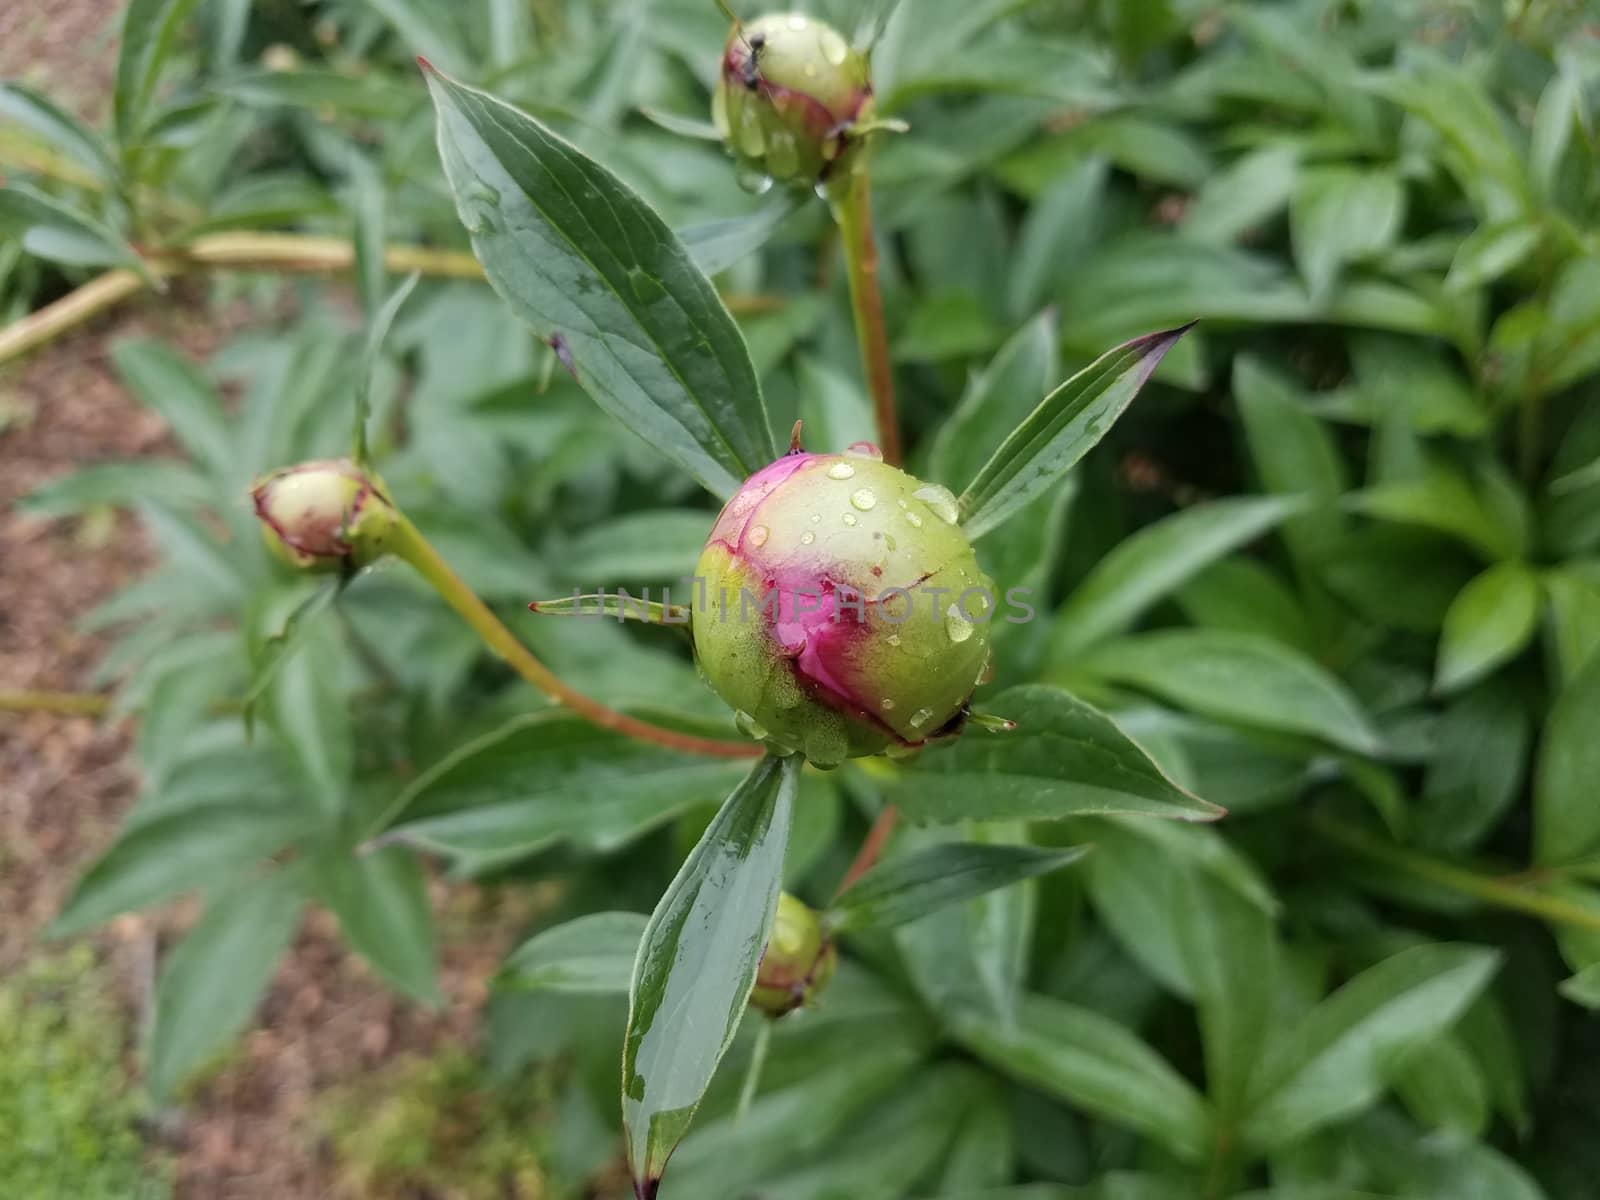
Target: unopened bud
x=326, y=515
x=792, y=95
x=798, y=961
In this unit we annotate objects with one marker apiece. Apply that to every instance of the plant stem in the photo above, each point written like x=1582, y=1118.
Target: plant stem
x=64, y=704
x=752, y=1075
x=280, y=252
x=853, y=213
x=872, y=846
x=415, y=549
x=1459, y=879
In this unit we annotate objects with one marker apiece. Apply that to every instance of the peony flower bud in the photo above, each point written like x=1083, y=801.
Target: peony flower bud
x=326, y=515
x=797, y=963
x=792, y=92
x=844, y=611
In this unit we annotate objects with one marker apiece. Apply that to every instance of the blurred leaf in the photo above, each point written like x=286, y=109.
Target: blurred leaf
x=382, y=319
x=912, y=886
x=53, y=230
x=649, y=338
x=307, y=706
x=717, y=245
x=1245, y=596
x=149, y=30
x=1574, y=619
x=1444, y=500
x=176, y=390
x=1244, y=194
x=697, y=963
x=1332, y=1065
x=984, y=1151
x=1569, y=340
x=1097, y=1064
x=1442, y=1087
x=187, y=849
x=1481, y=752
x=547, y=777
x=1490, y=621
x=1059, y=229
x=215, y=978
x=372, y=94
x=1337, y=216
x=834, y=408
x=57, y=128
x=996, y=401
x=1148, y=565
x=592, y=954
x=1239, y=677
x=428, y=29
x=381, y=900
x=1566, y=823
x=660, y=544
x=118, y=484
x=1063, y=759
x=1490, y=251
x=1065, y=426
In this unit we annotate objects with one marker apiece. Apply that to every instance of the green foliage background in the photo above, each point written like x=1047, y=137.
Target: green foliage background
x=1336, y=571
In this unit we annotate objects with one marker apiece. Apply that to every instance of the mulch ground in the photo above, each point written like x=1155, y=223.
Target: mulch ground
x=248, y=1133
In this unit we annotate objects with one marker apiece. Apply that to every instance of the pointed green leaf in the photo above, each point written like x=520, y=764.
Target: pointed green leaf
x=55, y=230
x=381, y=900
x=1147, y=566
x=1065, y=758
x=592, y=955
x=377, y=334
x=1334, y=1063
x=1066, y=425
x=596, y=271
x=149, y=29
x=717, y=245
x=1098, y=1064
x=177, y=391
x=1340, y=215
x=1492, y=619
x=1566, y=818
x=614, y=607
x=1239, y=677
x=57, y=128
x=215, y=978
x=906, y=888
x=697, y=964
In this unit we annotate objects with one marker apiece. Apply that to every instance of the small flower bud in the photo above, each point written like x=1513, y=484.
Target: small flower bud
x=797, y=963
x=326, y=515
x=792, y=92
x=844, y=612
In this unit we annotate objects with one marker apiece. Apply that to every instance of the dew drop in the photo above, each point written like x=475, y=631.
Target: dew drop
x=783, y=155
x=940, y=501
x=811, y=71
x=956, y=624
x=913, y=520
x=807, y=538
x=816, y=518
x=754, y=180
x=886, y=704
x=758, y=536
x=841, y=470
x=893, y=639
x=750, y=726
x=849, y=518
x=888, y=541
x=863, y=499
x=863, y=450
x=834, y=48
x=921, y=717
x=797, y=22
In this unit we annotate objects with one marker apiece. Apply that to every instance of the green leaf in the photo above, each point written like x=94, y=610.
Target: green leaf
x=717, y=245
x=1566, y=819
x=1097, y=1064
x=149, y=29
x=215, y=978
x=1481, y=746
x=996, y=400
x=428, y=28
x=1239, y=677
x=377, y=334
x=592, y=955
x=118, y=484
x=1065, y=426
x=1442, y=1086
x=1490, y=251
x=176, y=390
x=1230, y=955
x=54, y=230
x=381, y=900
x=1244, y=195
x=547, y=777
x=1445, y=501
x=1058, y=230
x=1333, y=1064
x=643, y=547
x=583, y=259
x=1340, y=215
x=57, y=128
x=697, y=964
x=1065, y=758
x=1574, y=625
x=1489, y=622
x=913, y=886
x=178, y=852
x=1144, y=568
x=611, y=606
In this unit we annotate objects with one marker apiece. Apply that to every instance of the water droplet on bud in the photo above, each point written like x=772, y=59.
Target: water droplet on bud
x=940, y=501
x=886, y=704
x=797, y=23
x=807, y=538
x=754, y=181
x=750, y=726
x=913, y=520
x=758, y=536
x=921, y=717
x=893, y=639
x=956, y=624
x=841, y=470
x=849, y=518
x=863, y=499
x=863, y=450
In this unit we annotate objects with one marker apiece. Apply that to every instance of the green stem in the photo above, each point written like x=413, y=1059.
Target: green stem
x=752, y=1075
x=852, y=210
x=1459, y=879
x=62, y=704
x=413, y=548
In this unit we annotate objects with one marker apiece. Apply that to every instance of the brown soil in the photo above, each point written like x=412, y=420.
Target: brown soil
x=247, y=1133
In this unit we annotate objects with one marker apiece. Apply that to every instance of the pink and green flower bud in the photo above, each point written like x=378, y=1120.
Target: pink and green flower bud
x=844, y=611
x=326, y=515
x=792, y=95
x=798, y=962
